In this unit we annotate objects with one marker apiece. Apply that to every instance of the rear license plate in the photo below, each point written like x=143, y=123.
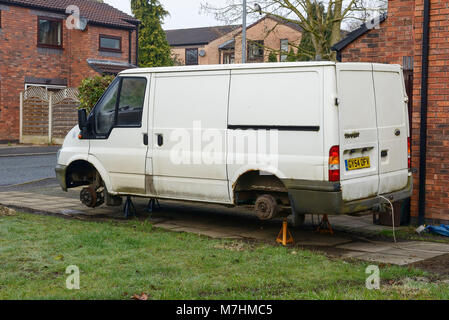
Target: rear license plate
x=357, y=163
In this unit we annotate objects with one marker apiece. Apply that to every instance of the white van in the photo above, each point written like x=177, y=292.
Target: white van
x=304, y=138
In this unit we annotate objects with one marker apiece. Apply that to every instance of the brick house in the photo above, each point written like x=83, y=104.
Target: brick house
x=414, y=29
x=38, y=49
x=223, y=44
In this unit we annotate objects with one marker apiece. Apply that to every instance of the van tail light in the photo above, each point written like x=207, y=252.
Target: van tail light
x=409, y=154
x=334, y=164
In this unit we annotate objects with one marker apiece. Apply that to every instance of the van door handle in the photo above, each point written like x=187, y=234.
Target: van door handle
x=384, y=153
x=160, y=140
x=145, y=139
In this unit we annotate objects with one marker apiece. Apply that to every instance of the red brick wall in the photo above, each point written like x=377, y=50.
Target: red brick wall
x=392, y=41
x=437, y=175
x=20, y=57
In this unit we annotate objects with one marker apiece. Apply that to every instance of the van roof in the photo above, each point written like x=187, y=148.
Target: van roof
x=230, y=67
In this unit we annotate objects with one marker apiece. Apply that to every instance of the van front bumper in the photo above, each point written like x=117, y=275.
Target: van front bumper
x=61, y=176
x=317, y=197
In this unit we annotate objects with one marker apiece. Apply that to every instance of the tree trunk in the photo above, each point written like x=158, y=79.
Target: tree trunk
x=336, y=27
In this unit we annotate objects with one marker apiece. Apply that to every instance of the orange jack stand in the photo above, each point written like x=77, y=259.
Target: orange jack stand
x=325, y=226
x=285, y=236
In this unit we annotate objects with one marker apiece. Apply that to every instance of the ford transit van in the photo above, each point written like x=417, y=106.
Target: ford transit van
x=300, y=138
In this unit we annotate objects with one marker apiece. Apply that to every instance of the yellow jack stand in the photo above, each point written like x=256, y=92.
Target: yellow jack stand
x=325, y=226
x=285, y=236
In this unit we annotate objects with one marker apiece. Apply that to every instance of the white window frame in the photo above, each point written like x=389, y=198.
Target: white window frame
x=46, y=87
x=284, y=54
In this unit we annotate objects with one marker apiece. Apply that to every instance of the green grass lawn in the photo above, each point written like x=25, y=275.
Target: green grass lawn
x=119, y=259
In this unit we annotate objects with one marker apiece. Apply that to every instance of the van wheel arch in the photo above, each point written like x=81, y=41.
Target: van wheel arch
x=252, y=184
x=82, y=173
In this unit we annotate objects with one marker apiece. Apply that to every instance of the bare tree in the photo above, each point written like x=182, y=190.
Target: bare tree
x=324, y=25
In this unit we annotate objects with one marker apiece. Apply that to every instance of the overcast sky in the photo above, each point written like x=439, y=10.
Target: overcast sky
x=183, y=13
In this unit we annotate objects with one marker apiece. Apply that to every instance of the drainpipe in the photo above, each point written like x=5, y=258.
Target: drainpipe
x=130, y=43
x=424, y=100
x=137, y=45
x=244, y=33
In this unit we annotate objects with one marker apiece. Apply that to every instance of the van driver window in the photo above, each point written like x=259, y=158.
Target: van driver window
x=132, y=96
x=105, y=111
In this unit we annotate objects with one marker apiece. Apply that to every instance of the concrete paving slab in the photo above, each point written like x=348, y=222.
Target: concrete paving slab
x=388, y=258
x=218, y=235
x=319, y=240
x=428, y=246
x=412, y=253
x=366, y=246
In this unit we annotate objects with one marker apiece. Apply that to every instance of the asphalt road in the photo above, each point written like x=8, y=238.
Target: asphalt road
x=24, y=164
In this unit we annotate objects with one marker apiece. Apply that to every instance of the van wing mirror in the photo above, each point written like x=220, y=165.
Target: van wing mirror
x=82, y=119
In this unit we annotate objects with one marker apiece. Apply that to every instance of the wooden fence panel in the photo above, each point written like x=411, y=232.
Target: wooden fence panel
x=65, y=112
x=35, y=112
x=36, y=119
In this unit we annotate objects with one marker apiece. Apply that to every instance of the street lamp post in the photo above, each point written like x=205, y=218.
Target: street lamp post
x=244, y=33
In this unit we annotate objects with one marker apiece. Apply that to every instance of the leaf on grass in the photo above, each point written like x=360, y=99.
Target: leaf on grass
x=142, y=297
x=59, y=257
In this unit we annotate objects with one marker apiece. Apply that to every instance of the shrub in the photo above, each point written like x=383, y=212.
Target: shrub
x=272, y=57
x=91, y=90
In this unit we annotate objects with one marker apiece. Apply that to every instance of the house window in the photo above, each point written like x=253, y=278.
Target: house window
x=255, y=51
x=49, y=33
x=228, y=58
x=284, y=50
x=51, y=88
x=191, y=57
x=110, y=43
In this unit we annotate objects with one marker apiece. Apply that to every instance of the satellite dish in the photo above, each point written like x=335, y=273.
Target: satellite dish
x=82, y=25
x=202, y=53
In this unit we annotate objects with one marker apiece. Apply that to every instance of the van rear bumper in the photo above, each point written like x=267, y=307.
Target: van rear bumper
x=317, y=197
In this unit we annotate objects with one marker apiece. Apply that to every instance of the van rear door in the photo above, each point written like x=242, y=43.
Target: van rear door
x=393, y=130
x=359, y=145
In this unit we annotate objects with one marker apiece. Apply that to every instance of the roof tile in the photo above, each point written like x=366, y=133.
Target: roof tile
x=197, y=36
x=96, y=12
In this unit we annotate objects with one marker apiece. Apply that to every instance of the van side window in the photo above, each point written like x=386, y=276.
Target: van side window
x=132, y=96
x=105, y=110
